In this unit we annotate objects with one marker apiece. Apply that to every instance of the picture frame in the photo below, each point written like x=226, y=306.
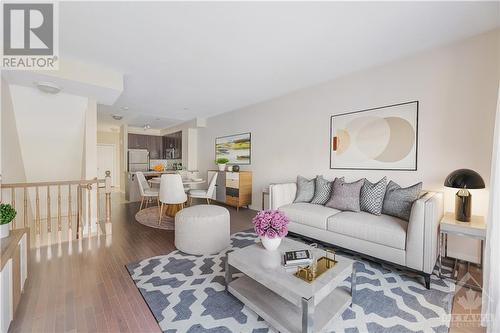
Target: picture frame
x=237, y=148
x=380, y=138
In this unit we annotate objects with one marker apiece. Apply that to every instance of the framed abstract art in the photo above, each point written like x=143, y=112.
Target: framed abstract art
x=236, y=148
x=382, y=138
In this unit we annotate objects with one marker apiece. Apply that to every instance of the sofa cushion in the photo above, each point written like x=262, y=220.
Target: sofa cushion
x=305, y=189
x=372, y=196
x=384, y=229
x=345, y=196
x=398, y=201
x=308, y=214
x=322, y=191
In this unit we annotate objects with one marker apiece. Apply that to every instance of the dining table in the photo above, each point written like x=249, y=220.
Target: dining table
x=171, y=210
x=185, y=181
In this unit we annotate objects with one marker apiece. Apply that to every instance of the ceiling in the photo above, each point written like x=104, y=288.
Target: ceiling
x=197, y=59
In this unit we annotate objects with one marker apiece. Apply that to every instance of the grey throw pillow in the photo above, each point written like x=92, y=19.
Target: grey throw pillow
x=305, y=189
x=322, y=191
x=372, y=196
x=398, y=201
x=345, y=196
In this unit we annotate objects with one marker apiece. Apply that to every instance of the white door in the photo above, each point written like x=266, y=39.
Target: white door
x=106, y=161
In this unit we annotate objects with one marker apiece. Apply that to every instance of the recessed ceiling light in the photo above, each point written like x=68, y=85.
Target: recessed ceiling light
x=147, y=126
x=48, y=87
x=117, y=116
x=124, y=108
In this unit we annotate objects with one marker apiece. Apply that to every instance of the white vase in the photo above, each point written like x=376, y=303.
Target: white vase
x=271, y=244
x=222, y=167
x=4, y=230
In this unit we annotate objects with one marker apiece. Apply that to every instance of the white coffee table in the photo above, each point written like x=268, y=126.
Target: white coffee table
x=286, y=302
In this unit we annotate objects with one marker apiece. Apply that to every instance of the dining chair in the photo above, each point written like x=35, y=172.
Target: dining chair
x=147, y=193
x=204, y=194
x=171, y=192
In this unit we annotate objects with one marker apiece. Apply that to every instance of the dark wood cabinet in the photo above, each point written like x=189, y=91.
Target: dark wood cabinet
x=153, y=143
x=155, y=147
x=159, y=147
x=137, y=141
x=172, y=145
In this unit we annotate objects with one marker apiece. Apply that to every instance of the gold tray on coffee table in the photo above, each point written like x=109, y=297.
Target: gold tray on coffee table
x=309, y=274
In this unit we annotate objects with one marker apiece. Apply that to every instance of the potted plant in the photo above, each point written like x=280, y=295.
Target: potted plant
x=221, y=163
x=7, y=214
x=271, y=226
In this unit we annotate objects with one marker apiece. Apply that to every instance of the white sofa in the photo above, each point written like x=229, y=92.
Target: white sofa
x=412, y=244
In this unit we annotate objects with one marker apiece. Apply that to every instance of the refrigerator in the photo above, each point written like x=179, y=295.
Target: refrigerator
x=138, y=160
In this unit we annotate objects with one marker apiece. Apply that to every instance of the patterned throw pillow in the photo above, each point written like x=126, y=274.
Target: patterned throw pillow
x=305, y=189
x=398, y=201
x=322, y=192
x=345, y=196
x=372, y=196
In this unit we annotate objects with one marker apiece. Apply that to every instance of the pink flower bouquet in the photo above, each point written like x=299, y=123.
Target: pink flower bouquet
x=271, y=224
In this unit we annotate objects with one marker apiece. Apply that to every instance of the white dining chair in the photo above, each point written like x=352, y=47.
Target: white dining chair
x=171, y=191
x=204, y=194
x=147, y=193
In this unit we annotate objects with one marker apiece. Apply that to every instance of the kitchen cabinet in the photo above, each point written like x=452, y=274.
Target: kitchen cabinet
x=134, y=141
x=153, y=143
x=166, y=147
x=137, y=141
x=155, y=147
x=172, y=145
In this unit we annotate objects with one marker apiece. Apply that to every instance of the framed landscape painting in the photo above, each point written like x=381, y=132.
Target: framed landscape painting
x=382, y=138
x=236, y=148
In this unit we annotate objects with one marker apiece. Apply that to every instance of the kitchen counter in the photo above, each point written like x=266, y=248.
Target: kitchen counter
x=156, y=173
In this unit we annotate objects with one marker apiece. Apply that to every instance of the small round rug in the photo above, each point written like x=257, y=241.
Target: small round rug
x=149, y=217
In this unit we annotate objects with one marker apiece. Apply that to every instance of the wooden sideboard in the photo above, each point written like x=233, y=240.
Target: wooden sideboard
x=13, y=275
x=232, y=188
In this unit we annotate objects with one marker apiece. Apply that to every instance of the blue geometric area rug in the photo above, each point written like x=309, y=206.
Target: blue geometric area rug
x=186, y=293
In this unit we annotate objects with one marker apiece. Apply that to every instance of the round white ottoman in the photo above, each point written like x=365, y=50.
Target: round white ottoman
x=202, y=229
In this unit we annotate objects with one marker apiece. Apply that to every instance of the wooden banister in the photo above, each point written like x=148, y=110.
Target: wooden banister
x=83, y=212
x=63, y=182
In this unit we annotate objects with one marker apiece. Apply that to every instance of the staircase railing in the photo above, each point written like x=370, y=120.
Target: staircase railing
x=77, y=205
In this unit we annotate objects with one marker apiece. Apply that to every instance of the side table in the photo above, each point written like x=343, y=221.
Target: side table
x=475, y=229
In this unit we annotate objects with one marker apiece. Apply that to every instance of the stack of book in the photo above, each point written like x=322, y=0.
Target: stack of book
x=297, y=258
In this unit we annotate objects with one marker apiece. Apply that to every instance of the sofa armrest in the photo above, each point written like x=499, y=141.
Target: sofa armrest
x=422, y=233
x=281, y=194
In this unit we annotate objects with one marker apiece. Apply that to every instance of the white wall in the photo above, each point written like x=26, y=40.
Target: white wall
x=189, y=143
x=90, y=141
x=12, y=165
x=51, y=133
x=13, y=170
x=456, y=86
x=192, y=149
x=89, y=166
x=124, y=157
x=46, y=138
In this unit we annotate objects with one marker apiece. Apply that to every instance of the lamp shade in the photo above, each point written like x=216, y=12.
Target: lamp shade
x=464, y=178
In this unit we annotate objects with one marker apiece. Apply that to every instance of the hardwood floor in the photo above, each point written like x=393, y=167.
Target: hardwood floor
x=84, y=286
x=89, y=290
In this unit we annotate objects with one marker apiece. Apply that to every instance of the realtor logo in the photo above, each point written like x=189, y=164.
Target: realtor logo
x=29, y=36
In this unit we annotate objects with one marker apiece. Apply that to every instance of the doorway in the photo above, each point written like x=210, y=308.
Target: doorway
x=106, y=160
